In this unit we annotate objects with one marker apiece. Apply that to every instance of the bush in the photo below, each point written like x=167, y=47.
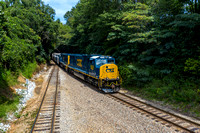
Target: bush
x=135, y=75
x=40, y=59
x=8, y=78
x=29, y=69
x=192, y=66
x=9, y=105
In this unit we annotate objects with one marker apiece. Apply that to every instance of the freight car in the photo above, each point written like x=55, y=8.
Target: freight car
x=98, y=70
x=56, y=57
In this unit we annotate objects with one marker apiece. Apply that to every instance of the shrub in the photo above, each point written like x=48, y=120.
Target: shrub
x=192, y=66
x=29, y=69
x=135, y=75
x=9, y=105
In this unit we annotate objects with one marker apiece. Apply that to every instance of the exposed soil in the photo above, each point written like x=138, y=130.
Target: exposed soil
x=27, y=115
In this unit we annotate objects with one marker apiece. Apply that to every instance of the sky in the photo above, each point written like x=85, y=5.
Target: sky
x=61, y=7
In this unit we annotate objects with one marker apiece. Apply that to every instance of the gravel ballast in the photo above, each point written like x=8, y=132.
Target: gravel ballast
x=85, y=110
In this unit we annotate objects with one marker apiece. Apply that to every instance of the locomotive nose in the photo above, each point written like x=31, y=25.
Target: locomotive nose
x=109, y=71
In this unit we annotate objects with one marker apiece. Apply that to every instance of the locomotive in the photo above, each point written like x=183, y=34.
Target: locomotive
x=99, y=70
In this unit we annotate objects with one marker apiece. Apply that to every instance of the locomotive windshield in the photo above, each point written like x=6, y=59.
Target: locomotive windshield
x=100, y=62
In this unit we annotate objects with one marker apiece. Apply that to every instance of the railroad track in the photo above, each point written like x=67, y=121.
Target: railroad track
x=170, y=120
x=47, y=119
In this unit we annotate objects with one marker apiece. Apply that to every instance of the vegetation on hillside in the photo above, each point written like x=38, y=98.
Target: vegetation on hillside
x=28, y=34
x=155, y=42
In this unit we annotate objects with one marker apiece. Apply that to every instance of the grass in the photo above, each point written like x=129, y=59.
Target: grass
x=9, y=105
x=29, y=69
x=183, y=96
x=17, y=115
x=7, y=78
x=9, y=100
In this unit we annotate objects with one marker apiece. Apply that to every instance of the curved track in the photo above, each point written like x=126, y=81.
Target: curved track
x=166, y=118
x=48, y=113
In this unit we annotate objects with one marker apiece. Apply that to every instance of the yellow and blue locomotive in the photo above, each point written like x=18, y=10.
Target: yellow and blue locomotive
x=98, y=70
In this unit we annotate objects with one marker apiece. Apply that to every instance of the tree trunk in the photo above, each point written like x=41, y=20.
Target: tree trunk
x=195, y=6
x=192, y=6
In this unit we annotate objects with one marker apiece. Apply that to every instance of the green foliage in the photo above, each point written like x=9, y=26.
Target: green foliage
x=40, y=59
x=156, y=43
x=27, y=30
x=29, y=69
x=8, y=100
x=17, y=115
x=9, y=77
x=150, y=40
x=135, y=75
x=192, y=66
x=173, y=90
x=28, y=33
x=9, y=105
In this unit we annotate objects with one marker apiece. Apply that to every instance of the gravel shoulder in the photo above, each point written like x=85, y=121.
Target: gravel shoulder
x=84, y=109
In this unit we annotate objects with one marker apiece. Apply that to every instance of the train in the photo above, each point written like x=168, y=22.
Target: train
x=99, y=70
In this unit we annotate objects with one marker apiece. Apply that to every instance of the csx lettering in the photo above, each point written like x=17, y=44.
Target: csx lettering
x=110, y=70
x=79, y=62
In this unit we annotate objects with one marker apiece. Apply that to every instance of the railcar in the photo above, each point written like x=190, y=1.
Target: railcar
x=98, y=70
x=56, y=57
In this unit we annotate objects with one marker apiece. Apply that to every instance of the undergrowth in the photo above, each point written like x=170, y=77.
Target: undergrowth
x=182, y=92
x=9, y=105
x=182, y=96
x=9, y=100
x=29, y=69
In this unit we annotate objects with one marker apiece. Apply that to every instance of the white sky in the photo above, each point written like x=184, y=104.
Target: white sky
x=61, y=7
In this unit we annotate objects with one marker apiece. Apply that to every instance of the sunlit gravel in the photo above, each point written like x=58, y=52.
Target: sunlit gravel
x=86, y=110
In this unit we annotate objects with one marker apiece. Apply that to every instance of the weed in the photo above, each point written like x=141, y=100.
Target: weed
x=17, y=115
x=10, y=105
x=33, y=115
x=26, y=115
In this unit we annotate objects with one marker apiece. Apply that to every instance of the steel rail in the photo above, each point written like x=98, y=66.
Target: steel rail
x=54, y=107
x=42, y=99
x=187, y=120
x=152, y=114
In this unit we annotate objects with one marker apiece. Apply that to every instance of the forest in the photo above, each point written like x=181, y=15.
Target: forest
x=155, y=42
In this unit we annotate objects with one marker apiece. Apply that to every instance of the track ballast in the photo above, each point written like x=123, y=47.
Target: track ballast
x=166, y=118
x=47, y=119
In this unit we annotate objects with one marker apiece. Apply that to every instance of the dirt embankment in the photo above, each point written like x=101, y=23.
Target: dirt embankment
x=27, y=115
